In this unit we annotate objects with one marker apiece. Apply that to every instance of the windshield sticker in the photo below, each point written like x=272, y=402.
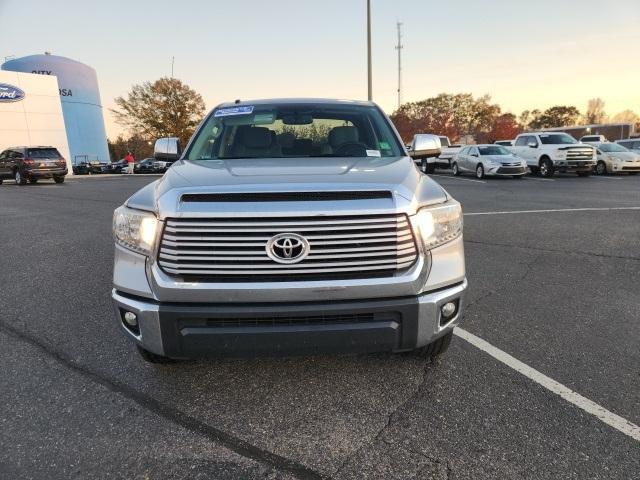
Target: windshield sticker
x=373, y=153
x=227, y=112
x=384, y=146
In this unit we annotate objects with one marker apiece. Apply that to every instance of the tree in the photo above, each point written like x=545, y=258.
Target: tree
x=595, y=111
x=529, y=116
x=505, y=127
x=626, y=116
x=557, y=116
x=166, y=107
x=446, y=114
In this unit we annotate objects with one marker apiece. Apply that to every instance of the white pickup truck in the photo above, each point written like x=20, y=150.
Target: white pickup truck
x=548, y=152
x=427, y=161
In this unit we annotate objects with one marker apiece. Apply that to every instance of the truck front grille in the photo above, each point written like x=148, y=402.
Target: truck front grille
x=580, y=153
x=235, y=249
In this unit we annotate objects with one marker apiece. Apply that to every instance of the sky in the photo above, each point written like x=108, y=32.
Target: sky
x=525, y=55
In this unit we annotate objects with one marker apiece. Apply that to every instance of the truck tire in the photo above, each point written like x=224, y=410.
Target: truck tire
x=151, y=357
x=436, y=348
x=33, y=180
x=428, y=167
x=546, y=167
x=58, y=179
x=534, y=170
x=456, y=170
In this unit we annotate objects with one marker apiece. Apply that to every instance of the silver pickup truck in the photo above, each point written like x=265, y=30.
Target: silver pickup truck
x=289, y=227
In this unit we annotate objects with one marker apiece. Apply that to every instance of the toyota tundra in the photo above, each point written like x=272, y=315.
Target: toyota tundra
x=289, y=227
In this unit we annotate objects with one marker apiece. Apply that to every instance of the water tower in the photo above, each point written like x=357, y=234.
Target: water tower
x=80, y=97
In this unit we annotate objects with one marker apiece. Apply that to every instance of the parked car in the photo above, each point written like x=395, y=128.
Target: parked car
x=549, y=152
x=632, y=144
x=488, y=160
x=80, y=168
x=30, y=164
x=97, y=167
x=593, y=139
x=145, y=166
x=162, y=166
x=119, y=166
x=504, y=143
x=614, y=158
x=448, y=152
x=247, y=248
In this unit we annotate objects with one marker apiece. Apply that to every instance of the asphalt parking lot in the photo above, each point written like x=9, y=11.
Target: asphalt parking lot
x=554, y=276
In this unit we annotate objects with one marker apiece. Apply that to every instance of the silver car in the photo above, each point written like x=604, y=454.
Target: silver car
x=289, y=227
x=488, y=160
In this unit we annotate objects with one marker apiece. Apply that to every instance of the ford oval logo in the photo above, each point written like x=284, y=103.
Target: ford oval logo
x=287, y=248
x=9, y=93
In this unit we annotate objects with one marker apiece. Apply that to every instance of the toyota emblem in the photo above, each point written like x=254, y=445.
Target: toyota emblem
x=287, y=248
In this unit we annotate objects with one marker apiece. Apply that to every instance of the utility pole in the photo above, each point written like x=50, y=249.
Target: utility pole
x=370, y=81
x=399, y=48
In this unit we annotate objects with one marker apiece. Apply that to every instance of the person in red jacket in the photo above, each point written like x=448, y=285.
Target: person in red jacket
x=130, y=161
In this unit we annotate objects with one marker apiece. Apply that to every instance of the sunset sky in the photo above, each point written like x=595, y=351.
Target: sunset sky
x=524, y=54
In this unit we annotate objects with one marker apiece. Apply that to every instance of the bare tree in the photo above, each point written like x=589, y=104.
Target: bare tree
x=595, y=111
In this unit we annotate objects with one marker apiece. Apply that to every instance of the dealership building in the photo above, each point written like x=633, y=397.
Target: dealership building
x=53, y=101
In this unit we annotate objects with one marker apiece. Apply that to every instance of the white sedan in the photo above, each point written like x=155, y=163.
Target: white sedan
x=614, y=158
x=488, y=160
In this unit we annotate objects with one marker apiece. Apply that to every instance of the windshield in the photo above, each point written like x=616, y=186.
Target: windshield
x=494, y=150
x=295, y=130
x=612, y=147
x=43, y=153
x=557, y=139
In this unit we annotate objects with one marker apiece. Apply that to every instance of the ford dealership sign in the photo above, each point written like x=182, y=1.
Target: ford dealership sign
x=9, y=93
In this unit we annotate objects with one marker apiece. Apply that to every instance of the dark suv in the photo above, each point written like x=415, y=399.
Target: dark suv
x=31, y=164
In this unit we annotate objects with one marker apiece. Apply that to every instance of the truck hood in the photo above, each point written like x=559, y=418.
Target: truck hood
x=398, y=175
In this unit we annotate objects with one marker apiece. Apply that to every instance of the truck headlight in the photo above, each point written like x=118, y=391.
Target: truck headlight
x=560, y=155
x=439, y=224
x=135, y=229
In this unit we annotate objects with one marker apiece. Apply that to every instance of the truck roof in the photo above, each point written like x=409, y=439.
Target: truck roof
x=291, y=101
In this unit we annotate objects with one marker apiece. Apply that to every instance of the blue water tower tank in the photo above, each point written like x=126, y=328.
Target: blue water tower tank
x=81, y=105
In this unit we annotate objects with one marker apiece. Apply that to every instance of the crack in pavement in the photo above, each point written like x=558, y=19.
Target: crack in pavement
x=227, y=440
x=387, y=424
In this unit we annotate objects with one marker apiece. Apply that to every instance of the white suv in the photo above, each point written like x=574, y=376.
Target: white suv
x=547, y=152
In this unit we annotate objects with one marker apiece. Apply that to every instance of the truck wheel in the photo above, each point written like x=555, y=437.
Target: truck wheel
x=546, y=168
x=534, y=170
x=58, y=179
x=151, y=357
x=20, y=179
x=480, y=171
x=435, y=348
x=456, y=170
x=601, y=168
x=428, y=167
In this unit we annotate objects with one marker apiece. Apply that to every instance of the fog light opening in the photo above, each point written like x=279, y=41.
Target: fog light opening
x=130, y=322
x=448, y=311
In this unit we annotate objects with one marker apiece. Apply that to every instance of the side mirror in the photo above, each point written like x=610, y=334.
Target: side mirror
x=426, y=145
x=533, y=145
x=167, y=148
x=474, y=154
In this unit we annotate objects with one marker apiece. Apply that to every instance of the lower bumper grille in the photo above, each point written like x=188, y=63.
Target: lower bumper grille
x=510, y=170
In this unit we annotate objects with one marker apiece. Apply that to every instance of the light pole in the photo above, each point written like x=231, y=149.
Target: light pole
x=370, y=82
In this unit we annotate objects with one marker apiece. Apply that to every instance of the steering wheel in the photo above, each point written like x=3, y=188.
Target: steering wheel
x=351, y=149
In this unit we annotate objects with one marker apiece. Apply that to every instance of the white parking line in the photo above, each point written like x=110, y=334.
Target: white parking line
x=539, y=179
x=608, y=178
x=555, y=210
x=457, y=178
x=619, y=423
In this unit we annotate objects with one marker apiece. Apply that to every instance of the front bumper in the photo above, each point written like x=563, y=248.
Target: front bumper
x=574, y=165
x=187, y=330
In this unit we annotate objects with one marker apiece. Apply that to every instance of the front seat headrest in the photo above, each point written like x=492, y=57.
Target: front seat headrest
x=255, y=137
x=341, y=135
